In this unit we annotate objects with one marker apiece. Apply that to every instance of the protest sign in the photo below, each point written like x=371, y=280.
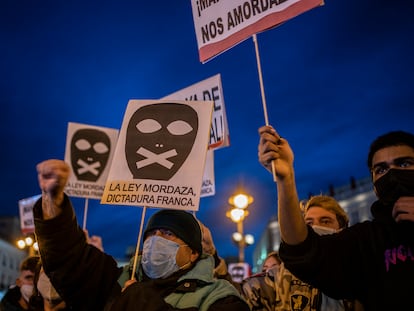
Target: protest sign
x=239, y=271
x=219, y=25
x=89, y=152
x=160, y=155
x=26, y=213
x=207, y=90
x=208, y=187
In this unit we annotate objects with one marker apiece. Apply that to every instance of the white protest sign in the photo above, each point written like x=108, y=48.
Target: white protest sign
x=219, y=25
x=208, y=187
x=160, y=155
x=89, y=152
x=209, y=89
x=206, y=90
x=239, y=271
x=26, y=213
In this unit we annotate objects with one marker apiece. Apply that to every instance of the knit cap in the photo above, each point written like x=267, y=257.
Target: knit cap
x=181, y=223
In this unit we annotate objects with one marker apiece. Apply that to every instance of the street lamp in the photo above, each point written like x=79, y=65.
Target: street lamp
x=29, y=244
x=240, y=202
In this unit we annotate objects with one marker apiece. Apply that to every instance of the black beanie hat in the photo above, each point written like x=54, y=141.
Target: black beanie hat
x=181, y=223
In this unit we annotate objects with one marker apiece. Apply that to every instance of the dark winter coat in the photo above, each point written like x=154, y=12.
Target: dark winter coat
x=87, y=279
x=371, y=261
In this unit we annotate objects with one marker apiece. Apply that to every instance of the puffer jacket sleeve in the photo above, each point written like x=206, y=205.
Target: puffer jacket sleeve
x=85, y=277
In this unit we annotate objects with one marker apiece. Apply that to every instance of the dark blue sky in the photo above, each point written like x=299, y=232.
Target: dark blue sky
x=335, y=78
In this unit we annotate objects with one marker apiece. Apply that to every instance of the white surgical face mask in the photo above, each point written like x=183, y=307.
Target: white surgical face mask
x=46, y=288
x=323, y=230
x=27, y=291
x=159, y=257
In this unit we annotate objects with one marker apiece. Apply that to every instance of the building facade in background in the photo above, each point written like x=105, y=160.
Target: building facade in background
x=10, y=259
x=10, y=255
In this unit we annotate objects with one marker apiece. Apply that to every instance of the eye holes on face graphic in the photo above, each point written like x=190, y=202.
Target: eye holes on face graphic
x=148, y=126
x=178, y=127
x=83, y=144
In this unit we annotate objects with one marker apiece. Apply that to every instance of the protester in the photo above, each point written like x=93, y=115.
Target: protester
x=325, y=216
x=45, y=297
x=173, y=273
x=220, y=266
x=272, y=261
x=370, y=261
x=259, y=290
x=17, y=297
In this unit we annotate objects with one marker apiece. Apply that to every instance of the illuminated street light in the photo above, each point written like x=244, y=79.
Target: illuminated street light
x=21, y=244
x=28, y=244
x=249, y=239
x=237, y=237
x=240, y=202
x=29, y=241
x=237, y=214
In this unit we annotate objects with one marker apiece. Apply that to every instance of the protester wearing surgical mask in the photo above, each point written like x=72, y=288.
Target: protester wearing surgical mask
x=171, y=272
x=17, y=297
x=174, y=269
x=172, y=242
x=45, y=297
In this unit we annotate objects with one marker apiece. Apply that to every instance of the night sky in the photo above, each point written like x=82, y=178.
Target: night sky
x=335, y=78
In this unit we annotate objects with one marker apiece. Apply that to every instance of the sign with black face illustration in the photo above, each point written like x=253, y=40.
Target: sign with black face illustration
x=89, y=150
x=160, y=155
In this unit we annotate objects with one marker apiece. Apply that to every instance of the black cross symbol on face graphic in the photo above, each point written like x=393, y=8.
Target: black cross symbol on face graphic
x=152, y=157
x=85, y=167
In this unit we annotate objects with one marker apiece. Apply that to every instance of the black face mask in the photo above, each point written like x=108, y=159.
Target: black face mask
x=395, y=184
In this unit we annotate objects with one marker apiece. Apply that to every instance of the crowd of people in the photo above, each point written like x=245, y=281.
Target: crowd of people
x=322, y=263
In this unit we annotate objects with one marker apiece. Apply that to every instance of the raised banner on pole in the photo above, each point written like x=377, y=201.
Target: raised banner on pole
x=219, y=25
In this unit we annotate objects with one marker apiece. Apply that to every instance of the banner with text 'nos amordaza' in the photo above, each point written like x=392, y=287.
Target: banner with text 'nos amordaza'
x=221, y=24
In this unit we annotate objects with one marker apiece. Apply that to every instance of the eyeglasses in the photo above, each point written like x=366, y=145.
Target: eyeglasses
x=382, y=168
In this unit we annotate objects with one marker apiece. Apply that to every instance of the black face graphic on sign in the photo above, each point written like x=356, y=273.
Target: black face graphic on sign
x=159, y=138
x=89, y=153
